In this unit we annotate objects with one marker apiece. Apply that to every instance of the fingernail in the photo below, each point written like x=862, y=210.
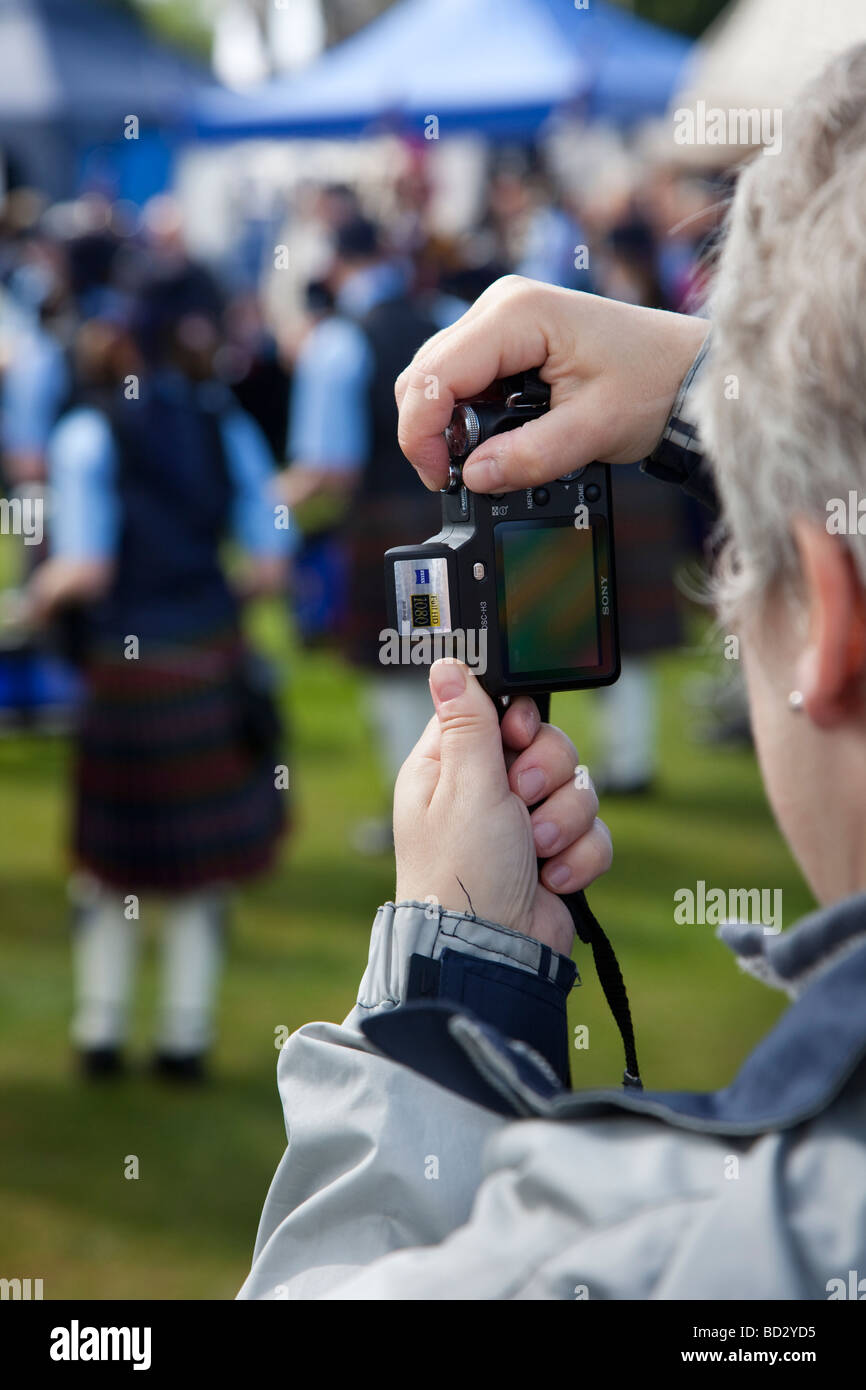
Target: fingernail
x=559, y=877
x=546, y=835
x=530, y=721
x=484, y=474
x=447, y=680
x=531, y=783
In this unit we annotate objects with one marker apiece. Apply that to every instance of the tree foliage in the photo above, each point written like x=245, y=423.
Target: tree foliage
x=186, y=22
x=689, y=17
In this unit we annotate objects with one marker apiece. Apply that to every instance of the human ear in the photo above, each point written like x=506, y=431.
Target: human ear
x=831, y=666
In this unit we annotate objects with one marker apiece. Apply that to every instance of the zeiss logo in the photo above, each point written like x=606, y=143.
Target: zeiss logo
x=422, y=576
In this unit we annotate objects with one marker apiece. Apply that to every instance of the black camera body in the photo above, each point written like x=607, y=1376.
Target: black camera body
x=520, y=585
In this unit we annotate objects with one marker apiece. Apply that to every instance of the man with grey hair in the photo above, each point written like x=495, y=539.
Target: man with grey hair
x=453, y=1062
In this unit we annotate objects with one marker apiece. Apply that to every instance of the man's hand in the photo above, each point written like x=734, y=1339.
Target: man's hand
x=613, y=370
x=462, y=829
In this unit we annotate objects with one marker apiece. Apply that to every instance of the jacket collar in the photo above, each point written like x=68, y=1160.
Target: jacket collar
x=794, y=1073
x=790, y=961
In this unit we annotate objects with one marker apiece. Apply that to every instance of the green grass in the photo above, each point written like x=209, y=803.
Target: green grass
x=185, y=1228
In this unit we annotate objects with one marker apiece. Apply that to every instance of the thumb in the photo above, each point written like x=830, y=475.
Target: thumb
x=569, y=436
x=470, y=747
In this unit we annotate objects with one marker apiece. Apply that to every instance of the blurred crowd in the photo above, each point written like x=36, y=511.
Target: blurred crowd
x=152, y=405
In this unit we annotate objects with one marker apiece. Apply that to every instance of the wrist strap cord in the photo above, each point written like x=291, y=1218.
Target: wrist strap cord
x=604, y=957
x=610, y=977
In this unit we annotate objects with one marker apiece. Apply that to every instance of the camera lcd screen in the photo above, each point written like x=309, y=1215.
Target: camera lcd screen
x=547, y=597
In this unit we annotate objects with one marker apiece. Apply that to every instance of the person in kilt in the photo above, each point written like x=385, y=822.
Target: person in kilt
x=176, y=792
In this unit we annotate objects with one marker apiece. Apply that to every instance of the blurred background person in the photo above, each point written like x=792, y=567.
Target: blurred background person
x=35, y=380
x=249, y=362
x=318, y=498
x=343, y=442
x=650, y=540
x=51, y=264
x=174, y=788
x=305, y=242
x=555, y=245
x=195, y=286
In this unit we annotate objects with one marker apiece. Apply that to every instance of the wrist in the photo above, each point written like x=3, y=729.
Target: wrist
x=677, y=456
x=459, y=903
x=684, y=348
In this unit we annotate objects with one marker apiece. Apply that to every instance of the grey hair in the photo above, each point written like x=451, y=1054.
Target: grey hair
x=781, y=404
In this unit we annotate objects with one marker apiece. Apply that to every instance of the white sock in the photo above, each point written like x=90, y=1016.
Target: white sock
x=628, y=723
x=104, y=949
x=192, y=951
x=399, y=707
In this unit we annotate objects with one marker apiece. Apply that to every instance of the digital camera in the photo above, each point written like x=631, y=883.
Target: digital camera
x=519, y=585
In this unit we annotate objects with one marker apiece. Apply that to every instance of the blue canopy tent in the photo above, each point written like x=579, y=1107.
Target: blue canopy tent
x=499, y=67
x=70, y=71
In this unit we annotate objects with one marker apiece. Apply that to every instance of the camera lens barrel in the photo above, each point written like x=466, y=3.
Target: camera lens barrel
x=471, y=424
x=464, y=431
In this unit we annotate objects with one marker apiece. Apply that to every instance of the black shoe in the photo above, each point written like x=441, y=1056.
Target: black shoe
x=187, y=1069
x=101, y=1063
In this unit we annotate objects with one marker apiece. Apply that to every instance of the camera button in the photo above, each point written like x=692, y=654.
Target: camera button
x=541, y=497
x=479, y=571
x=455, y=478
x=592, y=492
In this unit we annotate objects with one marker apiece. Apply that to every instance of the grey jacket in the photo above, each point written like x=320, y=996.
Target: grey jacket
x=434, y=1155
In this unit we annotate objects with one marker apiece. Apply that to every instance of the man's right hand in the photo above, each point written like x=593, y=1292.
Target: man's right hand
x=613, y=370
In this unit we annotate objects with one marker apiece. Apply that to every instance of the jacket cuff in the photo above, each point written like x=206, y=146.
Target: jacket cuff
x=678, y=457
x=517, y=984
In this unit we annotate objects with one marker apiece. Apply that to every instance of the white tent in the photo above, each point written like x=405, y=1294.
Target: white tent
x=759, y=53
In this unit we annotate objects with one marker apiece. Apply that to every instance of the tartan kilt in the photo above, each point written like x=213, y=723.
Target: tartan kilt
x=168, y=796
x=374, y=526
x=649, y=536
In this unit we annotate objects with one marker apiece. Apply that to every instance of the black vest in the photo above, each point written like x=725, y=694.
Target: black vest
x=175, y=498
x=395, y=329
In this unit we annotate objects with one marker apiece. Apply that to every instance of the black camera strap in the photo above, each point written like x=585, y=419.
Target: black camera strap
x=607, y=968
x=610, y=977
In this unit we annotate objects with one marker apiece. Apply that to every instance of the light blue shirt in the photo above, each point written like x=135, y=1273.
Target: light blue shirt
x=34, y=385
x=86, y=514
x=329, y=426
x=552, y=242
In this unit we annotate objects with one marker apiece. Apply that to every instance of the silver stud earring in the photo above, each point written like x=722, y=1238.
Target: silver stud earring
x=796, y=701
